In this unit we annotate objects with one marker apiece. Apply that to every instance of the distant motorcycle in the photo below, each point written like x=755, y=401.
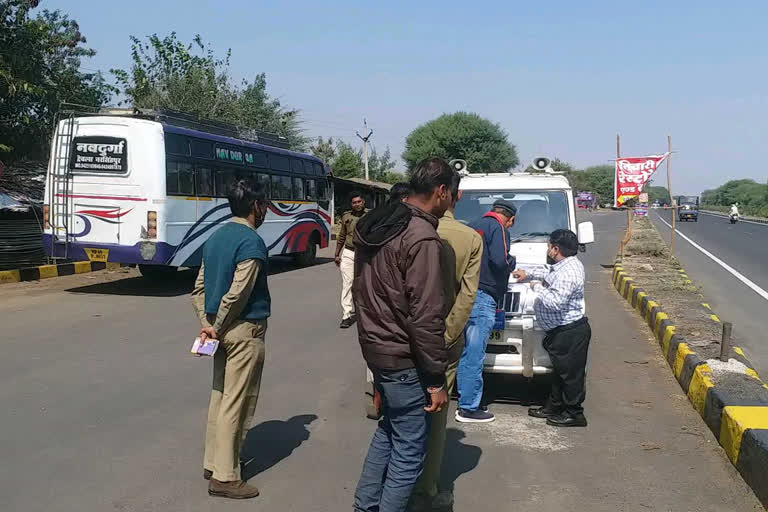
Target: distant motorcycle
x=734, y=218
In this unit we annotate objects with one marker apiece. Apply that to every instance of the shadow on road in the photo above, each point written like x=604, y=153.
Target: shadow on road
x=515, y=389
x=270, y=442
x=180, y=283
x=459, y=458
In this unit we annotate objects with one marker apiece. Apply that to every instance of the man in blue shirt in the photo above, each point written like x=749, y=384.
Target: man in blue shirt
x=232, y=301
x=494, y=277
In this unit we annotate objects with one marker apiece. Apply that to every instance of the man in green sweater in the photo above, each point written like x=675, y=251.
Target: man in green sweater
x=232, y=301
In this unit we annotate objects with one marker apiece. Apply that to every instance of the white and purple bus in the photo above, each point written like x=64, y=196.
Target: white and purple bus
x=141, y=190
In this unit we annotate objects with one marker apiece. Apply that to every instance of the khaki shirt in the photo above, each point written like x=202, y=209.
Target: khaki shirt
x=463, y=252
x=234, y=301
x=346, y=236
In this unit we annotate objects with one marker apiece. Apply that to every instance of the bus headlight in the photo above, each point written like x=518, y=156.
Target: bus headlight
x=148, y=250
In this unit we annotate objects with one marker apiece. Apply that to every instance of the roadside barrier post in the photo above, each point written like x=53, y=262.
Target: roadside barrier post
x=725, y=343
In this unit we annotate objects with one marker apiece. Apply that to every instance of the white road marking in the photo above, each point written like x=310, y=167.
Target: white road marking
x=740, y=220
x=733, y=271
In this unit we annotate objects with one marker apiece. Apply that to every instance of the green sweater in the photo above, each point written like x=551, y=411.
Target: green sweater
x=228, y=246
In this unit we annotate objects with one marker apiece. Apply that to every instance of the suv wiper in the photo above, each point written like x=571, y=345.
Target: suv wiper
x=528, y=236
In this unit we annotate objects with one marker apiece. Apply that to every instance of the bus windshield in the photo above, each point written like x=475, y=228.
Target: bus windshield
x=538, y=212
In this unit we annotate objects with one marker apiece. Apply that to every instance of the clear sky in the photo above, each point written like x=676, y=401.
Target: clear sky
x=561, y=77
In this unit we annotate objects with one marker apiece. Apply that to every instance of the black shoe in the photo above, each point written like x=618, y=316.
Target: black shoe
x=566, y=420
x=542, y=412
x=478, y=416
x=347, y=323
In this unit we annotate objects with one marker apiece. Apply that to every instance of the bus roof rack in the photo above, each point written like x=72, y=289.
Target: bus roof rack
x=184, y=120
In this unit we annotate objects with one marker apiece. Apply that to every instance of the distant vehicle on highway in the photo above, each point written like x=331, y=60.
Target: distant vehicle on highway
x=544, y=202
x=688, y=208
x=149, y=189
x=656, y=205
x=586, y=200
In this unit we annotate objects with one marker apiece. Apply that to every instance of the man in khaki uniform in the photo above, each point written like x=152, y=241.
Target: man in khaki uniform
x=232, y=301
x=345, y=256
x=462, y=254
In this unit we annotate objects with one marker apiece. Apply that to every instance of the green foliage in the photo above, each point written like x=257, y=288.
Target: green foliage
x=598, y=179
x=166, y=73
x=40, y=61
x=658, y=194
x=324, y=150
x=751, y=196
x=482, y=143
x=347, y=161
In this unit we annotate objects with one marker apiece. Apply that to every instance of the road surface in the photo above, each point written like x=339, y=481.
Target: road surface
x=741, y=247
x=104, y=409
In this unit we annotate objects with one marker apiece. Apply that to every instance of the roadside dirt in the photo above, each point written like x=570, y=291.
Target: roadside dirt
x=648, y=262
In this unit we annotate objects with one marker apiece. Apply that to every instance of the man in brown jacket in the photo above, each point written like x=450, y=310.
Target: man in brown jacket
x=401, y=308
x=462, y=252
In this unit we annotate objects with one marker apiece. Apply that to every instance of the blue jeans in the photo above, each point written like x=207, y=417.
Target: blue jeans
x=396, y=456
x=469, y=380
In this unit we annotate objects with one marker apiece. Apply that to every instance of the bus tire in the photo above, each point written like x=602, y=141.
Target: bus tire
x=157, y=271
x=307, y=258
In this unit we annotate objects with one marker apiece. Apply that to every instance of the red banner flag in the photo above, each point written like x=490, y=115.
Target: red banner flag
x=632, y=174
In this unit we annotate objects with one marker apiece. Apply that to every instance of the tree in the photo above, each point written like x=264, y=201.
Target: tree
x=482, y=143
x=657, y=194
x=40, y=61
x=348, y=162
x=380, y=166
x=167, y=73
x=324, y=150
x=598, y=179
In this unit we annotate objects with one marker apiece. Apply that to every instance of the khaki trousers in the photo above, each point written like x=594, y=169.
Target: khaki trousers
x=237, y=367
x=347, y=268
x=433, y=462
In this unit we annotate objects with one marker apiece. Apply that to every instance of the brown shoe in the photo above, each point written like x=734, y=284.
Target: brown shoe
x=207, y=474
x=236, y=490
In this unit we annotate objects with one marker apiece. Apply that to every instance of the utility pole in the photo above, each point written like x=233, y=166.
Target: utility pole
x=671, y=201
x=365, y=144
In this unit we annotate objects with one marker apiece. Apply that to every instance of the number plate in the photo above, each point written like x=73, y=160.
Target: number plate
x=496, y=336
x=97, y=254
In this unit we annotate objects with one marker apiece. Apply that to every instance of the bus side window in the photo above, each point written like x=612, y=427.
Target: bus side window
x=186, y=179
x=322, y=189
x=171, y=178
x=311, y=190
x=204, y=178
x=224, y=179
x=298, y=189
x=281, y=187
x=264, y=180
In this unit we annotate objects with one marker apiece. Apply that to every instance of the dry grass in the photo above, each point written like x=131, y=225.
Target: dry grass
x=647, y=260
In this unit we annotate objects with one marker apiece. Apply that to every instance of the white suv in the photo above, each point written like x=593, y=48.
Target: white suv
x=544, y=202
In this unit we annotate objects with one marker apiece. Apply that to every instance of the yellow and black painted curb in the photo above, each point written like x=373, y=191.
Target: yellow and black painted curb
x=736, y=412
x=48, y=271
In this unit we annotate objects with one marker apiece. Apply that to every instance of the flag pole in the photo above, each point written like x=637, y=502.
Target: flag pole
x=671, y=201
x=628, y=233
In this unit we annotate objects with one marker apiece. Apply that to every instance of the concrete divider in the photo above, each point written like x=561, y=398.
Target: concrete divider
x=733, y=405
x=48, y=271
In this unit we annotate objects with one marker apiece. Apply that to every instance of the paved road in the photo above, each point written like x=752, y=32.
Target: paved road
x=744, y=248
x=103, y=410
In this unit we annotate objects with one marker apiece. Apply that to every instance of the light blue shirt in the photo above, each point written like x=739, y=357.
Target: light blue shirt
x=560, y=296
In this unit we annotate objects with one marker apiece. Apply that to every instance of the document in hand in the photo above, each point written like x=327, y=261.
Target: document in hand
x=204, y=349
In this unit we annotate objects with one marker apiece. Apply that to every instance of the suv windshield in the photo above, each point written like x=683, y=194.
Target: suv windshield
x=538, y=212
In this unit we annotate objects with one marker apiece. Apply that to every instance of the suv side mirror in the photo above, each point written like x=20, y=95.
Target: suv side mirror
x=586, y=235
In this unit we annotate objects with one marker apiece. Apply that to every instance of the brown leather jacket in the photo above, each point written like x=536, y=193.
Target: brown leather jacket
x=398, y=294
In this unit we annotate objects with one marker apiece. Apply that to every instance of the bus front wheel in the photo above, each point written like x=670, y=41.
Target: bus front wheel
x=307, y=258
x=157, y=271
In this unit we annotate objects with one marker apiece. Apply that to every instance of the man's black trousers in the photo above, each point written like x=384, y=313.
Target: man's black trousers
x=567, y=347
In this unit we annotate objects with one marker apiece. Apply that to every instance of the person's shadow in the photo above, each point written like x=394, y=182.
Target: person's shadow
x=270, y=442
x=459, y=458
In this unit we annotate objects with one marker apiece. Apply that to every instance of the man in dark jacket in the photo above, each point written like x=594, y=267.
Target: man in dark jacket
x=494, y=276
x=401, y=309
